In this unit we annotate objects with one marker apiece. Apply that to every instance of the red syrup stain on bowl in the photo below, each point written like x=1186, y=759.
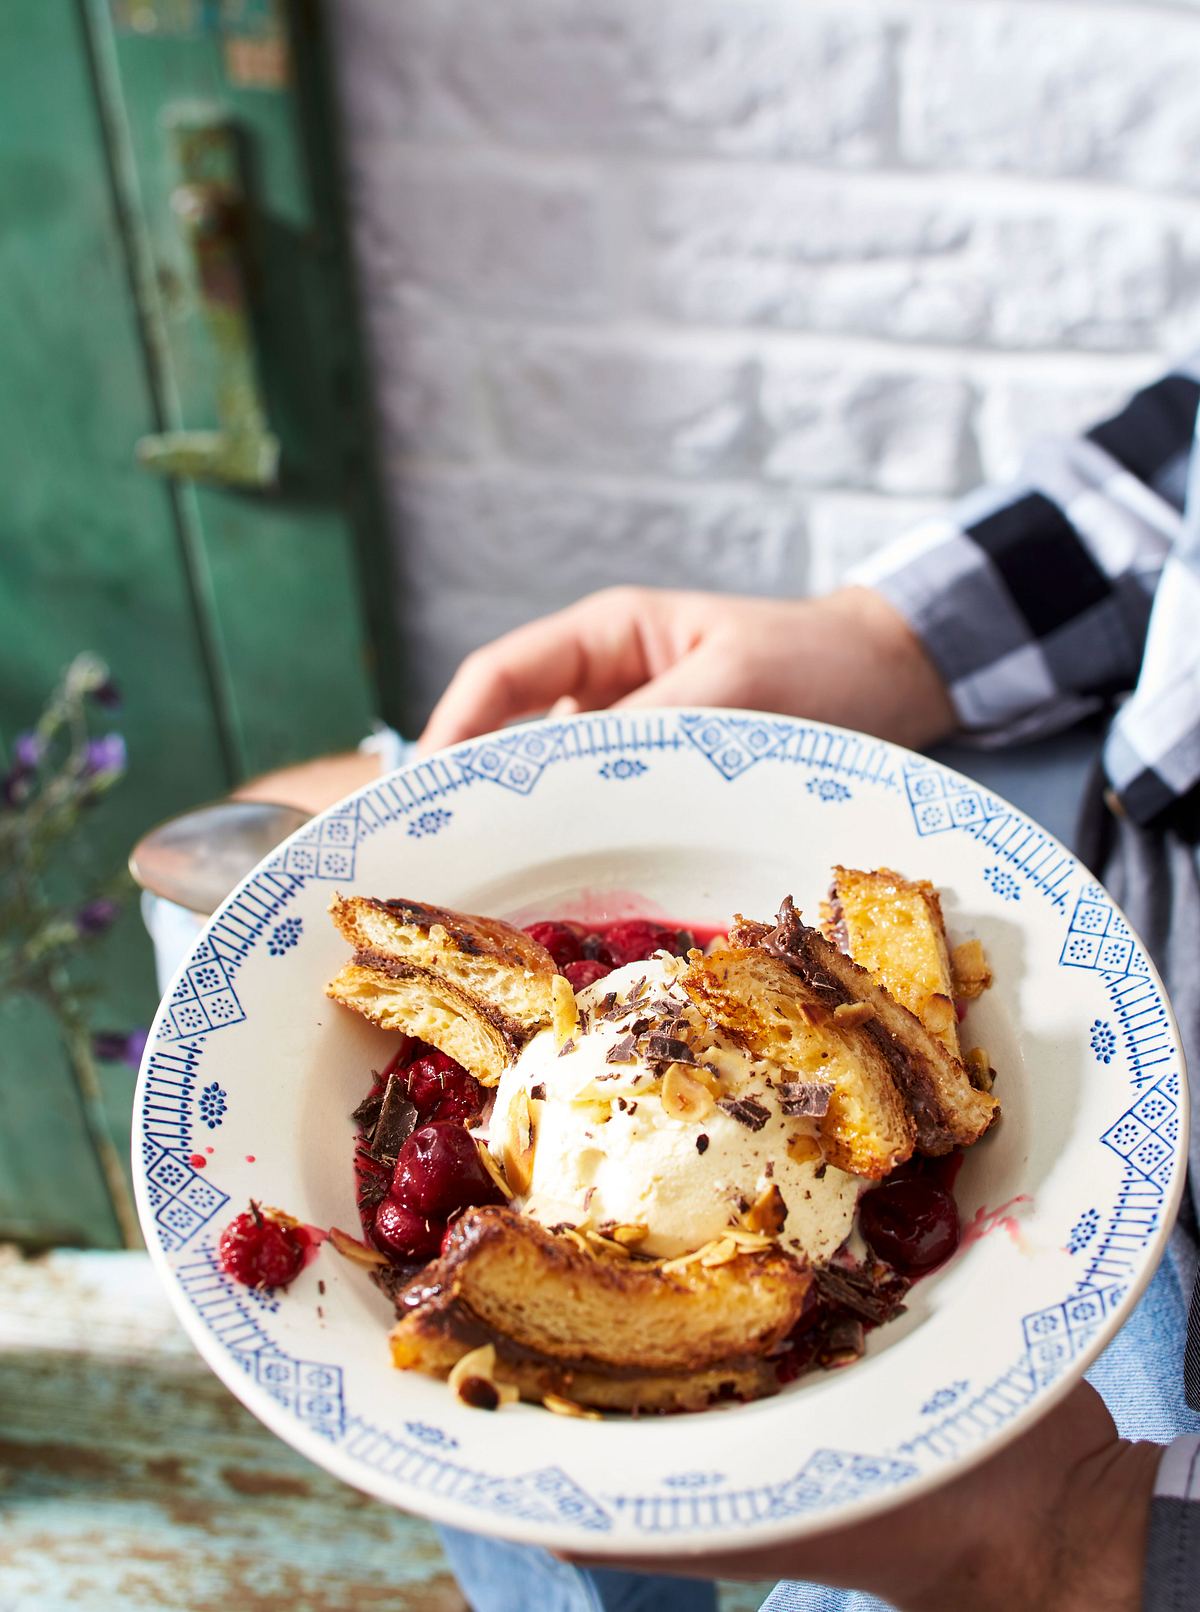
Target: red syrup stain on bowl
x=250, y=1158
x=985, y=1221
x=197, y=1161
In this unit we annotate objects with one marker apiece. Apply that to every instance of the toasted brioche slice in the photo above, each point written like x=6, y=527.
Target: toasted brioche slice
x=434, y=1338
x=476, y=988
x=946, y=1109
x=576, y=1316
x=783, y=1017
x=893, y=927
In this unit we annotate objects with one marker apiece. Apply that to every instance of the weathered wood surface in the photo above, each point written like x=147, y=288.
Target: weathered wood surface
x=130, y=1478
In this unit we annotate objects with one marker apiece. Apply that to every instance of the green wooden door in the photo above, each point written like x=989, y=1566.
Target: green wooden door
x=232, y=613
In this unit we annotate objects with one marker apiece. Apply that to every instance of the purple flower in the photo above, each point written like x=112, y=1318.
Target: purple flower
x=95, y=916
x=107, y=694
x=104, y=755
x=28, y=750
x=120, y=1046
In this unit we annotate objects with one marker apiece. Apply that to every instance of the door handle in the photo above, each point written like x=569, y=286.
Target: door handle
x=209, y=201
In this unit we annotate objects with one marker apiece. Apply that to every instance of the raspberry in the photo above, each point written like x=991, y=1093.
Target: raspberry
x=560, y=940
x=439, y=1170
x=259, y=1250
x=403, y=1232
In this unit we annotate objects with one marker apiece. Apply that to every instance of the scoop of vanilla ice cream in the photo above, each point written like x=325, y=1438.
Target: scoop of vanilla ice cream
x=606, y=1150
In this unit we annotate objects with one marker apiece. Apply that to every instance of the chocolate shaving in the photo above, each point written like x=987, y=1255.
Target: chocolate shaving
x=607, y=1005
x=367, y=1112
x=702, y=1143
x=875, y=1292
x=746, y=1111
x=808, y=1099
x=666, y=1049
x=567, y=1046
x=372, y=1190
x=621, y=1051
x=842, y=1344
x=396, y=1123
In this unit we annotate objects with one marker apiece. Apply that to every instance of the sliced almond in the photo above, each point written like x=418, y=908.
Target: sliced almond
x=564, y=1011
x=719, y=1252
x=351, y=1248
x=804, y=1149
x=768, y=1212
x=473, y=1380
x=972, y=974
x=937, y=1013
x=684, y=1097
x=606, y=1245
x=568, y=1407
x=747, y=1241
x=849, y=1014
x=979, y=1069
x=492, y=1168
x=518, y=1153
x=629, y=1236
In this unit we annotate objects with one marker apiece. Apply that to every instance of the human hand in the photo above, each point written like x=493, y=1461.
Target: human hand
x=849, y=658
x=1057, y=1520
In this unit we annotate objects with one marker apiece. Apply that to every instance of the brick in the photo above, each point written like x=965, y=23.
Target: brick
x=608, y=405
x=676, y=75
x=490, y=239
x=1014, y=414
x=391, y=70
x=482, y=553
x=844, y=529
x=1054, y=90
x=428, y=389
x=889, y=431
x=901, y=261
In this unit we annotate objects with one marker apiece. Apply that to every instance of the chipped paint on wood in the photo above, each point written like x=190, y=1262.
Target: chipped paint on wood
x=130, y=1477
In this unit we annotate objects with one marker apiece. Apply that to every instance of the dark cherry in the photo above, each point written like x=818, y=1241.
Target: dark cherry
x=405, y=1233
x=438, y=1170
x=634, y=939
x=586, y=972
x=259, y=1250
x=440, y=1088
x=912, y=1224
x=560, y=940
x=594, y=948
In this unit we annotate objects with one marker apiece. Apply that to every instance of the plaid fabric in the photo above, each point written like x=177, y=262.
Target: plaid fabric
x=1171, y=1580
x=1077, y=588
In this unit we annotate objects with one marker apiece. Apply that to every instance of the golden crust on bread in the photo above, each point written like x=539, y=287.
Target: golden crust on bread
x=946, y=1110
x=893, y=927
x=567, y=1321
x=759, y=1000
x=475, y=988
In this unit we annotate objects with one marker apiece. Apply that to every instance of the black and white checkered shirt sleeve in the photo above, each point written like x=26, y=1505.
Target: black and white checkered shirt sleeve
x=1036, y=600
x=1171, y=1577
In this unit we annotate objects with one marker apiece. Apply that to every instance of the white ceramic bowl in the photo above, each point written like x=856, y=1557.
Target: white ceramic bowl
x=251, y=1074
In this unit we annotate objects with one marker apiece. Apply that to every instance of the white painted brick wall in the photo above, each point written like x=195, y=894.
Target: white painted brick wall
x=726, y=293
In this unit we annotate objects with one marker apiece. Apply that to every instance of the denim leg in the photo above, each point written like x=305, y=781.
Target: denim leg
x=498, y=1577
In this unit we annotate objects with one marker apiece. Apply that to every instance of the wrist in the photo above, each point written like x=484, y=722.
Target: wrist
x=891, y=678
x=1100, y=1552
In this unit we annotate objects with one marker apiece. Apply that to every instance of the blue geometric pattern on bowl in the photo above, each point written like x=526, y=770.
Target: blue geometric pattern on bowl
x=828, y=790
x=428, y=823
x=1003, y=883
x=1111, y=1236
x=827, y=1478
x=212, y=1105
x=622, y=767
x=284, y=936
x=325, y=849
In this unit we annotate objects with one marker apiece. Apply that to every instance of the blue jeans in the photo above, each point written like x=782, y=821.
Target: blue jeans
x=1140, y=1375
